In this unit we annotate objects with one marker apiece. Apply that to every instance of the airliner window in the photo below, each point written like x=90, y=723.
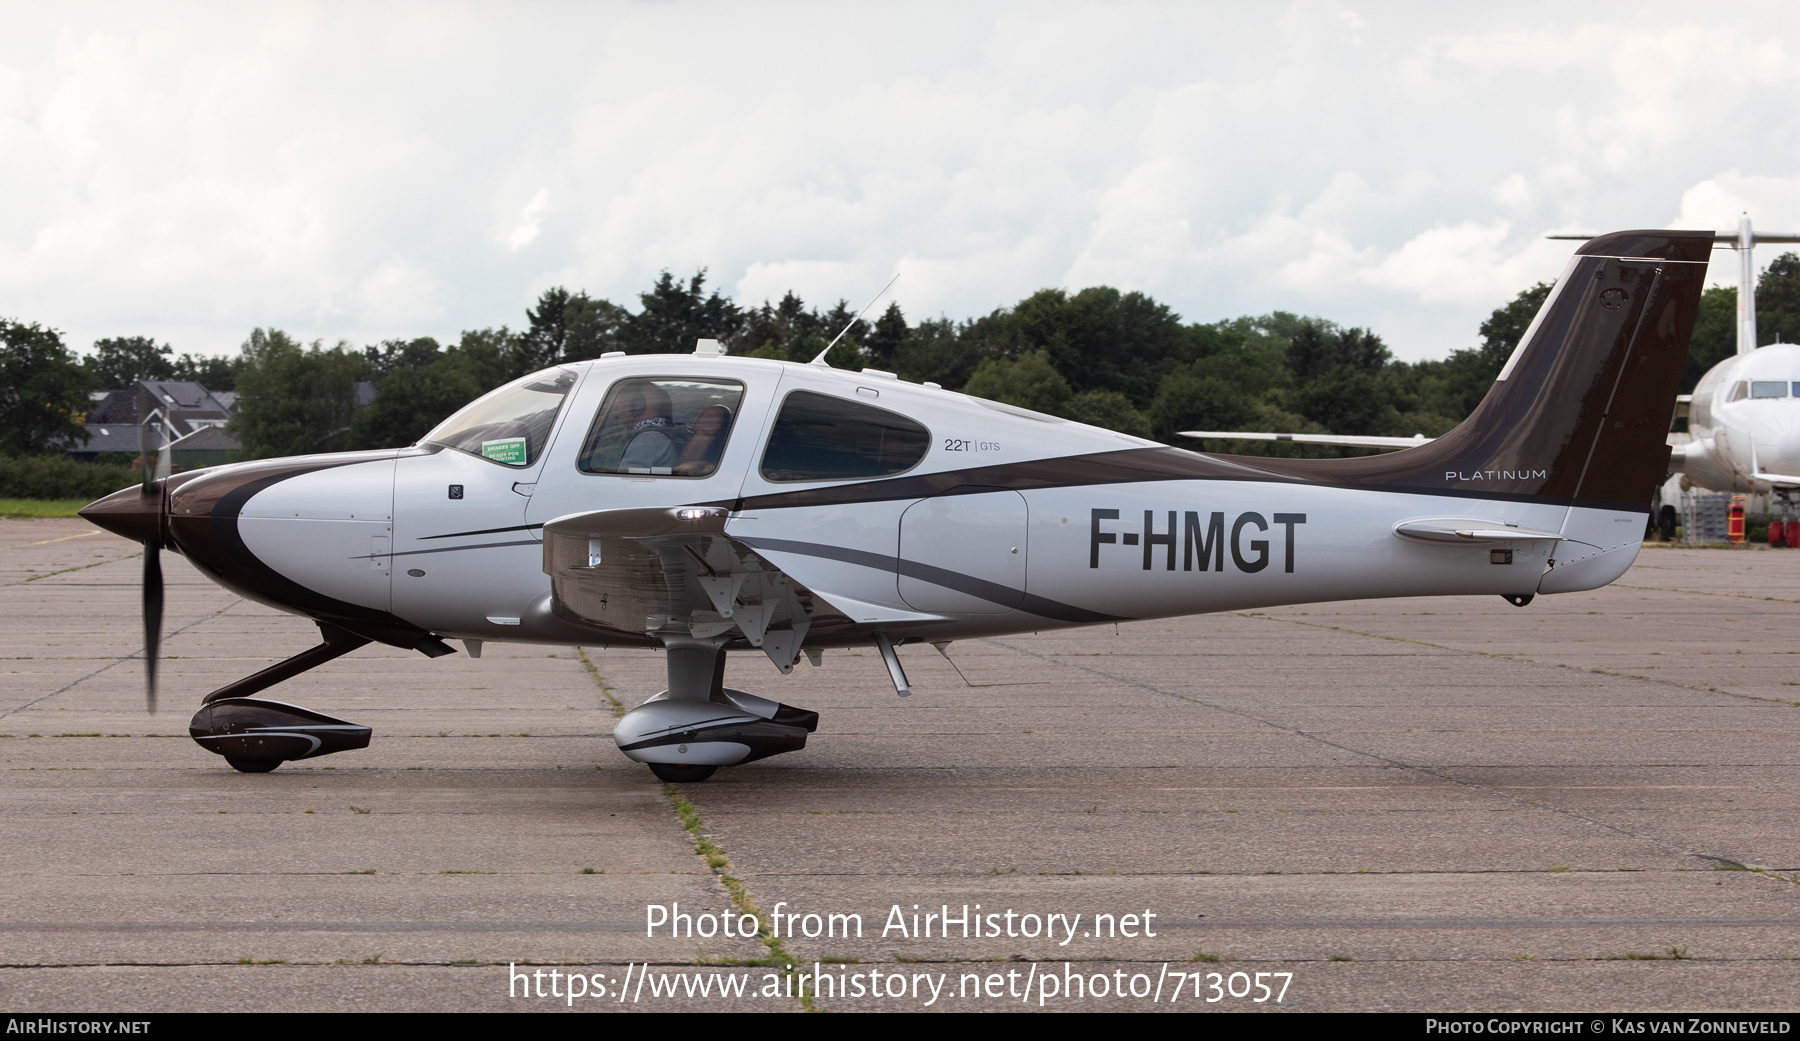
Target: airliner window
x=663, y=426
x=1740, y=392
x=1768, y=389
x=820, y=438
x=508, y=426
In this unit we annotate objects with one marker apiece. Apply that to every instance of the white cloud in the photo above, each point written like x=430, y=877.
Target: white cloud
x=357, y=171
x=531, y=219
x=396, y=293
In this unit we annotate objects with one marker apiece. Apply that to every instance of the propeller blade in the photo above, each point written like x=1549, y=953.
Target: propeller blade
x=153, y=616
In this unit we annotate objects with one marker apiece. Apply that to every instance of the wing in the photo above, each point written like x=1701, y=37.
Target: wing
x=1774, y=480
x=645, y=575
x=1345, y=440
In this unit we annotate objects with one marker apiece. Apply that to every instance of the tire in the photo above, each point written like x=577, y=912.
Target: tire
x=675, y=773
x=253, y=766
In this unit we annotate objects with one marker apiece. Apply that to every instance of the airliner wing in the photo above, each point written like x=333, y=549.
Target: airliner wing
x=1778, y=480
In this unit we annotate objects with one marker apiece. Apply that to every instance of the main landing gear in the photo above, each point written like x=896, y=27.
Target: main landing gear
x=699, y=725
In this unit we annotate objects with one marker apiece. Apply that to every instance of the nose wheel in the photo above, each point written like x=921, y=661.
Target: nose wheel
x=676, y=772
x=252, y=766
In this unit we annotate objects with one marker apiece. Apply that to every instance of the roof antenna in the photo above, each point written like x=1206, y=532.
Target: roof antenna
x=820, y=360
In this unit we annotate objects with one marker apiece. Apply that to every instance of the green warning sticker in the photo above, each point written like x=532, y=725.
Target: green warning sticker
x=508, y=450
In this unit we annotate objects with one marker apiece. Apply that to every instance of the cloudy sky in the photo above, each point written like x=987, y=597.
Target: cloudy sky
x=368, y=170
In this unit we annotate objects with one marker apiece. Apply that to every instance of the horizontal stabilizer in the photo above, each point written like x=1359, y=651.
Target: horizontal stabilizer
x=1344, y=440
x=1469, y=529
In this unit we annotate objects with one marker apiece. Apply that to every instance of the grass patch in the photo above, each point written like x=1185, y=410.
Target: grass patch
x=36, y=509
x=1200, y=954
x=358, y=809
x=1342, y=957
x=262, y=961
x=779, y=955
x=721, y=865
x=1672, y=954
x=606, y=691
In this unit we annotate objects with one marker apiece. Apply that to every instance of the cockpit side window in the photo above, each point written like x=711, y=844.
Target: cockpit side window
x=511, y=425
x=821, y=438
x=1769, y=389
x=1740, y=392
x=662, y=426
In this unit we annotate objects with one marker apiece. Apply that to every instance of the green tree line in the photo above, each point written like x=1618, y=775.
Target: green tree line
x=1120, y=360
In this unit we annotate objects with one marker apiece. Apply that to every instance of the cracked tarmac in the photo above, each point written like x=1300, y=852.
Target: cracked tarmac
x=1436, y=805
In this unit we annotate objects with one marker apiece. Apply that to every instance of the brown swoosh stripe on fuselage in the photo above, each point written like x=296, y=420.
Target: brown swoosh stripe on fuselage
x=1149, y=465
x=203, y=524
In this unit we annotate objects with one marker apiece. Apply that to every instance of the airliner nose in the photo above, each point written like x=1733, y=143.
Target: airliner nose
x=128, y=512
x=1778, y=444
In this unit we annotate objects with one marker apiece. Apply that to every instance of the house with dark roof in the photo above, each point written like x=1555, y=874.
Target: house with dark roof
x=192, y=411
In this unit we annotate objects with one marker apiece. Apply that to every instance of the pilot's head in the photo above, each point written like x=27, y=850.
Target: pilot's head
x=641, y=403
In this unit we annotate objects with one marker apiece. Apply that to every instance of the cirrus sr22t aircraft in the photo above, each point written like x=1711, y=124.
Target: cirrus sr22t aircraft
x=705, y=504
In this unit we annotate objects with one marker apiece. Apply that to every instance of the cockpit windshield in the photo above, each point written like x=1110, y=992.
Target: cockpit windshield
x=511, y=425
x=1769, y=388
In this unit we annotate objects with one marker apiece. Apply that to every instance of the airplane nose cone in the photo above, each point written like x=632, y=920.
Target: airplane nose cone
x=1784, y=454
x=128, y=512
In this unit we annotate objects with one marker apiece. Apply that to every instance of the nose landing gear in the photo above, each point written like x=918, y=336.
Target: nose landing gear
x=256, y=736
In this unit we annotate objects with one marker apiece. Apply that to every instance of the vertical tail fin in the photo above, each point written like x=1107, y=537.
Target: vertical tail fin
x=1580, y=414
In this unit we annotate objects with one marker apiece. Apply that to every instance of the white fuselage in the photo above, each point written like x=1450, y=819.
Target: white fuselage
x=1744, y=421
x=386, y=533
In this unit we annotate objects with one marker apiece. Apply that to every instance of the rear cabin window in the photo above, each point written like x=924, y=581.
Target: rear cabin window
x=663, y=426
x=510, y=425
x=822, y=438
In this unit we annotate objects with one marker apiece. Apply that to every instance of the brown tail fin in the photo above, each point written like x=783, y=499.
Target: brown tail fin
x=1580, y=414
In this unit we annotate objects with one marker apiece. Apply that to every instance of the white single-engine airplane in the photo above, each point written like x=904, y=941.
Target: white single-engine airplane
x=703, y=504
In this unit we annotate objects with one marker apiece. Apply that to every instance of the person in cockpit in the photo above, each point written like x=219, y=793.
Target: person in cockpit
x=707, y=443
x=645, y=411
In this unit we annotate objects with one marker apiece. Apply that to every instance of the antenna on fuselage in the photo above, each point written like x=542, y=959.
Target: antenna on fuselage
x=1744, y=240
x=820, y=360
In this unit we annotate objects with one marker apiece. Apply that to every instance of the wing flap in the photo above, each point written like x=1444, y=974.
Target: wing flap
x=656, y=574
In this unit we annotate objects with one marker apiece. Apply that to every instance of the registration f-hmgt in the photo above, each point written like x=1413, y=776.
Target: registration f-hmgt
x=705, y=504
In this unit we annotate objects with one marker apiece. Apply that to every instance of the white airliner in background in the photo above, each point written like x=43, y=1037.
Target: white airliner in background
x=1743, y=418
